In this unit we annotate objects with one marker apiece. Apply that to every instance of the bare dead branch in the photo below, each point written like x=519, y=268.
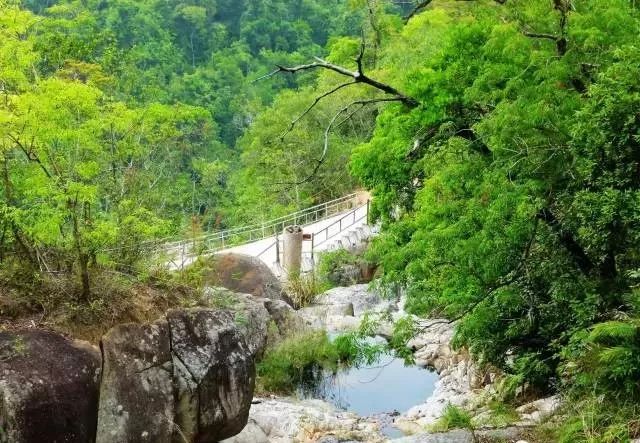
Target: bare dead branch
x=377, y=41
x=361, y=54
x=417, y=9
x=332, y=123
x=541, y=35
x=424, y=3
x=563, y=7
x=358, y=76
x=310, y=107
x=327, y=131
x=30, y=154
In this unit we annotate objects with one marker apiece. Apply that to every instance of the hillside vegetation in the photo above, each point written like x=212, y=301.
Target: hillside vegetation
x=500, y=139
x=507, y=180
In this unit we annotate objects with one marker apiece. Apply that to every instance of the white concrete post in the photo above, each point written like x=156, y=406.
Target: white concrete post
x=292, y=249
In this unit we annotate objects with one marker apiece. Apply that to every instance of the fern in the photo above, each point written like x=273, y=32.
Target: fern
x=614, y=330
x=609, y=361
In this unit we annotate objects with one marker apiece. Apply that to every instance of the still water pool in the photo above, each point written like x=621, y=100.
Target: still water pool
x=386, y=388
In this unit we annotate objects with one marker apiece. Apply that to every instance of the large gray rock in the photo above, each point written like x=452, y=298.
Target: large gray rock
x=345, y=275
x=455, y=436
x=537, y=411
x=187, y=378
x=214, y=374
x=245, y=274
x=286, y=420
x=284, y=316
x=250, y=313
x=136, y=396
x=361, y=297
x=48, y=388
x=252, y=433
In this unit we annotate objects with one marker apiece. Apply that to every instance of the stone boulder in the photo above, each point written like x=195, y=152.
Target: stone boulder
x=347, y=274
x=136, y=396
x=285, y=317
x=286, y=420
x=537, y=411
x=214, y=373
x=361, y=297
x=247, y=275
x=343, y=308
x=252, y=433
x=251, y=315
x=48, y=388
x=188, y=377
x=511, y=434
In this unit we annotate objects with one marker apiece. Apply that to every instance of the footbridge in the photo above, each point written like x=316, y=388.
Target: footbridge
x=338, y=224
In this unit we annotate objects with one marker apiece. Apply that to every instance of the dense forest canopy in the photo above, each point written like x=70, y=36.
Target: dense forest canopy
x=500, y=139
x=120, y=119
x=507, y=180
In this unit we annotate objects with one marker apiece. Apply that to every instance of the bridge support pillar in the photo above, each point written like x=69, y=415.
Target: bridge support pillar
x=292, y=250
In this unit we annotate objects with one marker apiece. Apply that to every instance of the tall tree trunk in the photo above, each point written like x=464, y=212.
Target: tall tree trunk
x=83, y=257
x=84, y=276
x=22, y=244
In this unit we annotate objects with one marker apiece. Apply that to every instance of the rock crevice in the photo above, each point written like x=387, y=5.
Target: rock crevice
x=189, y=376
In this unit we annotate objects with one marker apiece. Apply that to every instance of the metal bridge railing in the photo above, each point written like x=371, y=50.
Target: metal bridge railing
x=321, y=236
x=340, y=225
x=182, y=252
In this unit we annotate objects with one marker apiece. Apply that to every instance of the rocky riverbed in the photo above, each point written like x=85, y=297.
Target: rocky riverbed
x=189, y=376
x=459, y=383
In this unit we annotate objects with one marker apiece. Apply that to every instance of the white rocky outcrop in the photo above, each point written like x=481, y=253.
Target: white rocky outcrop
x=460, y=381
x=538, y=411
x=342, y=309
x=282, y=420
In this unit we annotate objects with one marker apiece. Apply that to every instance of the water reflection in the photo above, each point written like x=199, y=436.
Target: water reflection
x=386, y=388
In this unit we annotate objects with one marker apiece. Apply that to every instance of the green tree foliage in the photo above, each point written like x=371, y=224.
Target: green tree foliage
x=119, y=119
x=510, y=194
x=507, y=181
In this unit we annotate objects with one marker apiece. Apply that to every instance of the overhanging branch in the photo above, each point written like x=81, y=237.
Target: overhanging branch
x=327, y=133
x=424, y=3
x=358, y=76
x=315, y=102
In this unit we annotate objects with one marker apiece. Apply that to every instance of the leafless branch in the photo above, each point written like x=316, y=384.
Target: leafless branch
x=424, y=3
x=541, y=35
x=358, y=76
x=332, y=124
x=30, y=154
x=377, y=41
x=315, y=102
x=417, y=9
x=361, y=54
x=563, y=7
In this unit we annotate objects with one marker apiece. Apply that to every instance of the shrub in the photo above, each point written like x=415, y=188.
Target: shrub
x=452, y=418
x=501, y=414
x=303, y=288
x=607, y=359
x=602, y=368
x=291, y=362
x=599, y=420
x=340, y=267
